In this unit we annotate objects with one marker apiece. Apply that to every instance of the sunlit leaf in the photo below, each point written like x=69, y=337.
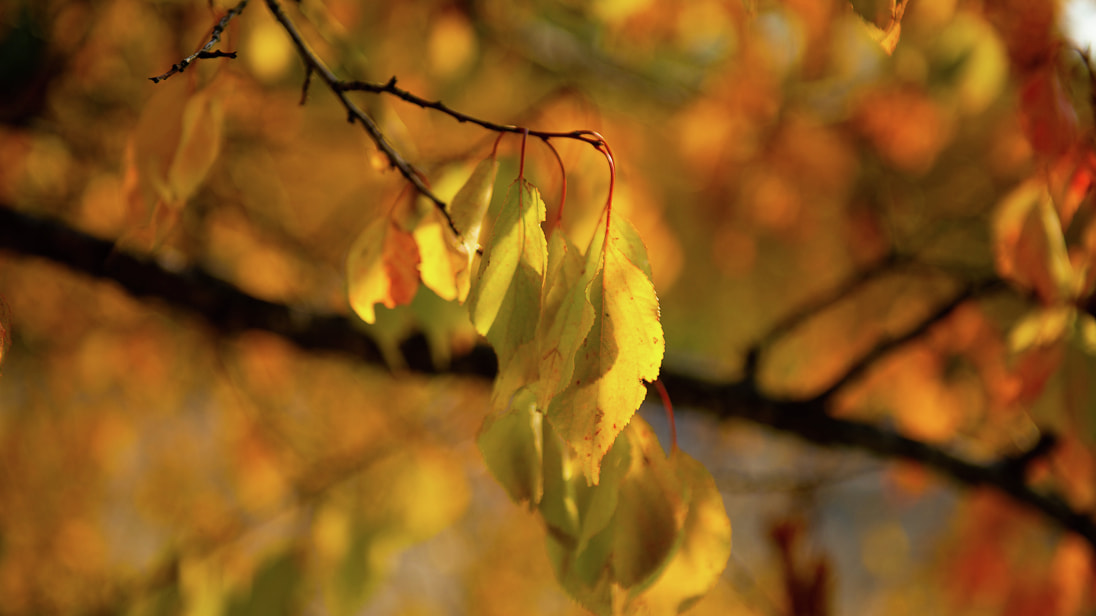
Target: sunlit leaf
x=622, y=349
x=446, y=265
x=1041, y=327
x=629, y=524
x=469, y=206
x=887, y=37
x=382, y=268
x=566, y=317
x=504, y=301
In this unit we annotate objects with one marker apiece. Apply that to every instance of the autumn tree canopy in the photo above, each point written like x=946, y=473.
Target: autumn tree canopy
x=485, y=307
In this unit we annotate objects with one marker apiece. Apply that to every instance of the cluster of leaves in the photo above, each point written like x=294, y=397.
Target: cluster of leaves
x=576, y=334
x=925, y=168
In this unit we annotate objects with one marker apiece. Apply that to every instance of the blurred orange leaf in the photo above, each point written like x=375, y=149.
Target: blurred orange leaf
x=382, y=268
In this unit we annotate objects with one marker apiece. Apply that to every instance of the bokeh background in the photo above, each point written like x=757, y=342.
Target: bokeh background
x=767, y=152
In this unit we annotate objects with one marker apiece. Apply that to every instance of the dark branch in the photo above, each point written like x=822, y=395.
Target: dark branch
x=223, y=306
x=229, y=310
x=391, y=88
x=207, y=50
x=808, y=420
x=313, y=65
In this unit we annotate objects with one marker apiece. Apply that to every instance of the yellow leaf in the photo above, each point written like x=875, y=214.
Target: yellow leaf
x=469, y=206
x=650, y=511
x=608, y=542
x=446, y=266
x=382, y=268
x=705, y=546
x=566, y=317
x=1041, y=327
x=622, y=349
x=887, y=37
x=504, y=300
x=446, y=259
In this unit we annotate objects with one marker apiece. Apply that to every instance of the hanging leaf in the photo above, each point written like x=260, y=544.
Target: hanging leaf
x=469, y=206
x=446, y=266
x=650, y=511
x=382, y=268
x=566, y=317
x=511, y=446
x=622, y=349
x=504, y=301
x=628, y=525
x=199, y=143
x=704, y=550
x=558, y=505
x=447, y=259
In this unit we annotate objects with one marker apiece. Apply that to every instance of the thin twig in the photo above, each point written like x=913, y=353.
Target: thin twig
x=340, y=88
x=391, y=88
x=207, y=50
x=313, y=65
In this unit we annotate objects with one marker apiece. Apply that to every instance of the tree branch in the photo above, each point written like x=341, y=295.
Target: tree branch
x=207, y=50
x=224, y=307
x=391, y=88
x=313, y=65
x=809, y=420
x=229, y=310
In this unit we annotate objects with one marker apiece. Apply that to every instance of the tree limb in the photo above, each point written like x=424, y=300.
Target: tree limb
x=207, y=50
x=228, y=310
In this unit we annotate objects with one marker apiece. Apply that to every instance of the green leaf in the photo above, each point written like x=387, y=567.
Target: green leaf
x=511, y=446
x=628, y=525
x=396, y=502
x=557, y=505
x=273, y=590
x=622, y=349
x=504, y=302
x=650, y=511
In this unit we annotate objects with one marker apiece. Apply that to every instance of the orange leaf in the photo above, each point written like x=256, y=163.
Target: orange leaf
x=382, y=268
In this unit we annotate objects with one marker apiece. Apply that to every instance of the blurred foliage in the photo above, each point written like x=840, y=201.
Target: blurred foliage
x=766, y=152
